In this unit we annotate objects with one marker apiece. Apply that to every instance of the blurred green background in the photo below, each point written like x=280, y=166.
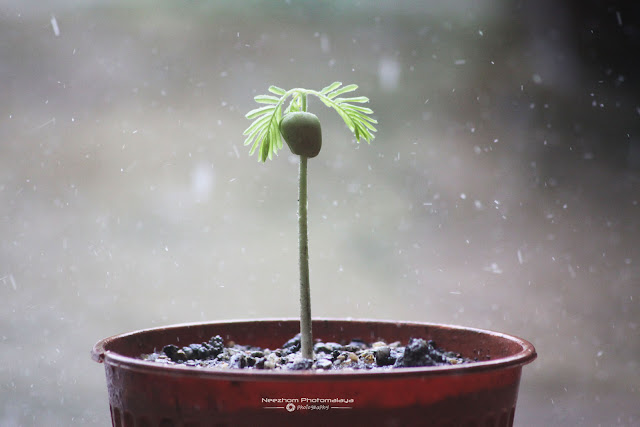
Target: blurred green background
x=501, y=191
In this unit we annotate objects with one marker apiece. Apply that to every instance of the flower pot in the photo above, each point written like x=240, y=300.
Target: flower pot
x=482, y=393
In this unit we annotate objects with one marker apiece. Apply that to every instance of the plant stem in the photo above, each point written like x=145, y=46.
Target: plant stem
x=306, y=335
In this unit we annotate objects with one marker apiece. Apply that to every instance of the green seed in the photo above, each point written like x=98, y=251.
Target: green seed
x=301, y=131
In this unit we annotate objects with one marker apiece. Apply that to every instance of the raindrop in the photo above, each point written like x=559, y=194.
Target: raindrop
x=202, y=182
x=324, y=43
x=13, y=282
x=389, y=73
x=54, y=26
x=493, y=268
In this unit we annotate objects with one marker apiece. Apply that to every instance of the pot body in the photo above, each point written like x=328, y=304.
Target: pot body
x=148, y=394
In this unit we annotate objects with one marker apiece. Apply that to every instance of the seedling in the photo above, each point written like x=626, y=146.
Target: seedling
x=302, y=132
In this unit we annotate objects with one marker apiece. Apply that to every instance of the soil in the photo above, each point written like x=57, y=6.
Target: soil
x=328, y=355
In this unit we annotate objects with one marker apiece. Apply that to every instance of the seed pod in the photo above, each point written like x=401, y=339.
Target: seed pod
x=301, y=131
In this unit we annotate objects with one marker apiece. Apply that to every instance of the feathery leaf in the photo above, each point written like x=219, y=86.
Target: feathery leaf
x=263, y=134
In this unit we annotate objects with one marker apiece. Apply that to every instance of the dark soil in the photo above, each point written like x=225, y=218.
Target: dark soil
x=328, y=355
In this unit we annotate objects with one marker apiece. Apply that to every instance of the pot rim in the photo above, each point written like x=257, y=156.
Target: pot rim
x=526, y=355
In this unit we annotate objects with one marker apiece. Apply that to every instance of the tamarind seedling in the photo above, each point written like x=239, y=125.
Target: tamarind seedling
x=302, y=133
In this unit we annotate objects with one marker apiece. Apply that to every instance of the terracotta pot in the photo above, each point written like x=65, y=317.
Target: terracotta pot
x=144, y=394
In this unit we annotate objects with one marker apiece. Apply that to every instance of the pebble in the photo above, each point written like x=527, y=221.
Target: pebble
x=355, y=345
x=368, y=357
x=416, y=353
x=238, y=360
x=324, y=364
x=199, y=351
x=383, y=356
x=271, y=361
x=293, y=345
x=301, y=364
x=216, y=345
x=327, y=347
x=172, y=352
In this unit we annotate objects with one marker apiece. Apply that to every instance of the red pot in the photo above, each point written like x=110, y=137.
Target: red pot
x=149, y=394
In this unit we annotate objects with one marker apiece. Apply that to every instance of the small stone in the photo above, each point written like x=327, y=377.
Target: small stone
x=383, y=356
x=199, y=351
x=158, y=357
x=238, y=360
x=416, y=353
x=188, y=351
x=301, y=364
x=368, y=358
x=293, y=345
x=324, y=364
x=257, y=354
x=327, y=348
x=290, y=358
x=260, y=363
x=181, y=356
x=172, y=352
x=329, y=356
x=355, y=345
x=271, y=361
x=217, y=345
x=378, y=344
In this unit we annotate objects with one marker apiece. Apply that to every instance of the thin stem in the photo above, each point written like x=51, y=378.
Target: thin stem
x=306, y=335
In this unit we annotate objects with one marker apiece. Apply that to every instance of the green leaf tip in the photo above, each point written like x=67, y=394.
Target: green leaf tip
x=263, y=134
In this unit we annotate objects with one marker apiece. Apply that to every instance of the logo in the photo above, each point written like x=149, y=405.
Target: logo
x=307, y=403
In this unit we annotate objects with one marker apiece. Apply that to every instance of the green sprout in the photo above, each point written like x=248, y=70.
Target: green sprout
x=302, y=133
